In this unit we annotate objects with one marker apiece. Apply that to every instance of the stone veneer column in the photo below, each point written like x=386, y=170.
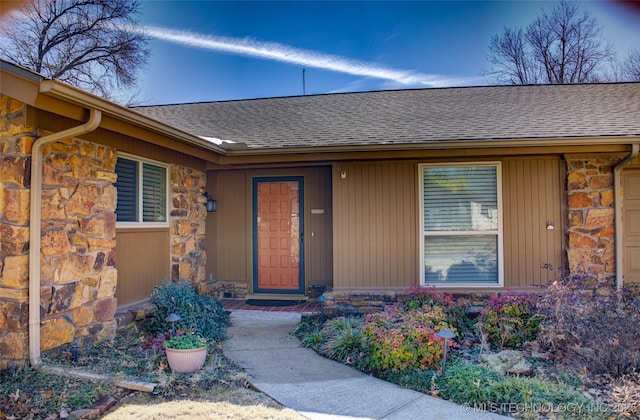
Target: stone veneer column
x=78, y=275
x=16, y=140
x=590, y=215
x=188, y=217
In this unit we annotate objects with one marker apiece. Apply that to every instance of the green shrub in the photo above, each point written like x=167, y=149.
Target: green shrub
x=342, y=340
x=591, y=325
x=479, y=387
x=509, y=320
x=400, y=340
x=455, y=309
x=204, y=315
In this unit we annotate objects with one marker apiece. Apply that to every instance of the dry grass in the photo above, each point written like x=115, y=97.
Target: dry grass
x=221, y=403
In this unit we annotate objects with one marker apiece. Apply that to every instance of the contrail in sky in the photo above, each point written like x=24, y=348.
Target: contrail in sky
x=279, y=52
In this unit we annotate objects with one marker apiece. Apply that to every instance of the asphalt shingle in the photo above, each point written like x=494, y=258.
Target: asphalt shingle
x=414, y=115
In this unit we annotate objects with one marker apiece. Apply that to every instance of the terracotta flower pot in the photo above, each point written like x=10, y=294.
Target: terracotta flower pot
x=186, y=361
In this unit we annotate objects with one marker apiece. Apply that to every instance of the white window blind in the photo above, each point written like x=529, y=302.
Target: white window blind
x=461, y=224
x=154, y=188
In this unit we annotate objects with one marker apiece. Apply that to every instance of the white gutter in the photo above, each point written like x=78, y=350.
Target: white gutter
x=617, y=194
x=95, y=117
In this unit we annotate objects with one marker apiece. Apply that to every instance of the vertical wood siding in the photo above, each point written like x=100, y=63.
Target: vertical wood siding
x=631, y=224
x=142, y=262
x=532, y=196
x=376, y=223
x=229, y=235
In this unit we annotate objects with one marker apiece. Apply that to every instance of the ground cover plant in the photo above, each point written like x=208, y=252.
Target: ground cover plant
x=137, y=353
x=28, y=393
x=219, y=387
x=579, y=370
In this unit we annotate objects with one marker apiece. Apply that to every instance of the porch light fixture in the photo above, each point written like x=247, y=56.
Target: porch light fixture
x=211, y=203
x=445, y=334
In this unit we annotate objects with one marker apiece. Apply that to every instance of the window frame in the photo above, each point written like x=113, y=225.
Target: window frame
x=499, y=233
x=139, y=190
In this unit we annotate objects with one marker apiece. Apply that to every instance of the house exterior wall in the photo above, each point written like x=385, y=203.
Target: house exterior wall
x=590, y=215
x=229, y=236
x=377, y=223
x=187, y=220
x=143, y=261
x=147, y=256
x=375, y=209
x=16, y=139
x=78, y=274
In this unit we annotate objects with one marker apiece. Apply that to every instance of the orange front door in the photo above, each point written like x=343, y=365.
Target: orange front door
x=278, y=235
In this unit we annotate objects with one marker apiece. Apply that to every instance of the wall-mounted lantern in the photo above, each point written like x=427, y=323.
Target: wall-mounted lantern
x=211, y=203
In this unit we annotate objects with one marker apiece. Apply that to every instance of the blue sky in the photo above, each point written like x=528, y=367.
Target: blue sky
x=217, y=50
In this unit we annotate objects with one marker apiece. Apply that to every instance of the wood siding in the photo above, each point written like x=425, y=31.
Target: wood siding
x=532, y=197
x=375, y=209
x=631, y=227
x=376, y=223
x=142, y=261
x=229, y=237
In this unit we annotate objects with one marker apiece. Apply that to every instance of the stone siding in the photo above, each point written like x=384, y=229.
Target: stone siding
x=78, y=274
x=590, y=216
x=188, y=215
x=16, y=140
x=370, y=302
x=225, y=289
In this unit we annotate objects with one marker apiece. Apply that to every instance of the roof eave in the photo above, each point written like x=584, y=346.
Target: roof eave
x=79, y=97
x=441, y=145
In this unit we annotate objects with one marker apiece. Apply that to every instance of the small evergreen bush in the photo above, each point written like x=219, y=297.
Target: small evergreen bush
x=510, y=319
x=203, y=315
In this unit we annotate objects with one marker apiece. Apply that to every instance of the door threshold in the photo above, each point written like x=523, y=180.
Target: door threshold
x=276, y=296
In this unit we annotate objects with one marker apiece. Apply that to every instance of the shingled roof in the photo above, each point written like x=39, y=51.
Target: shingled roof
x=415, y=116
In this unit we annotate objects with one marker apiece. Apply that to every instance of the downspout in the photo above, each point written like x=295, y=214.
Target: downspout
x=617, y=198
x=95, y=117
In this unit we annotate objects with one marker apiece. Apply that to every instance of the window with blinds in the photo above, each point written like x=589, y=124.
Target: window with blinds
x=142, y=191
x=461, y=221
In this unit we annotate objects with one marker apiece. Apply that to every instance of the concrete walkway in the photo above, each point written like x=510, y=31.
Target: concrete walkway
x=319, y=388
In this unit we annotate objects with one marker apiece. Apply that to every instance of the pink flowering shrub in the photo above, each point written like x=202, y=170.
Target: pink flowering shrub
x=510, y=319
x=400, y=339
x=455, y=309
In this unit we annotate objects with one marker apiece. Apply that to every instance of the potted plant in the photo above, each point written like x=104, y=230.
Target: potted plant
x=186, y=353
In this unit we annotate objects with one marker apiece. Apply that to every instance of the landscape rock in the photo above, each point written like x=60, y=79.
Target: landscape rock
x=508, y=362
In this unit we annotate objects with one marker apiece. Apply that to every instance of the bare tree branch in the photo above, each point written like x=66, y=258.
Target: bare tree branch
x=564, y=46
x=82, y=42
x=631, y=66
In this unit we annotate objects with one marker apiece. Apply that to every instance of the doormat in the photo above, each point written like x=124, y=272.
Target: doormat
x=271, y=302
